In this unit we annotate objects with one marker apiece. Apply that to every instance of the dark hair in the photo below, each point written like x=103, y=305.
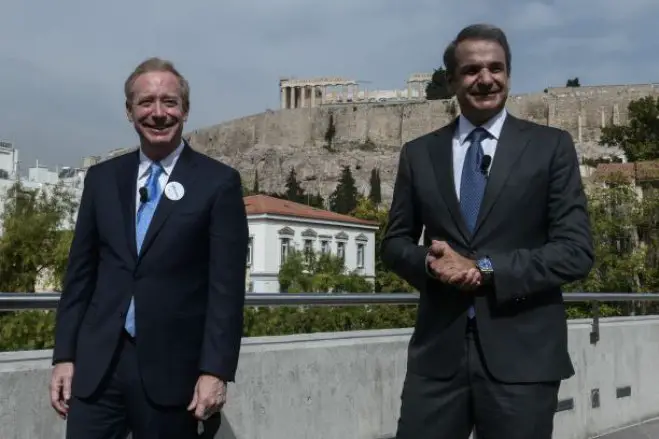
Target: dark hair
x=479, y=31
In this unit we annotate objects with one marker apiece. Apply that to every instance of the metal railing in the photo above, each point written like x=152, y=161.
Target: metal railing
x=49, y=301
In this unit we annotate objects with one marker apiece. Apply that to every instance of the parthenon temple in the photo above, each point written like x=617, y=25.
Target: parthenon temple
x=309, y=93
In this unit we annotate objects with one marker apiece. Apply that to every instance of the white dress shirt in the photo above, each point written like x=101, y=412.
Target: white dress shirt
x=460, y=143
x=167, y=164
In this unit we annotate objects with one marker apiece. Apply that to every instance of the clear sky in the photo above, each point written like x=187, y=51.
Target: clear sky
x=63, y=62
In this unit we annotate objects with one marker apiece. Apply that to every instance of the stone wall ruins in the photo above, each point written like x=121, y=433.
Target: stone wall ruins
x=370, y=135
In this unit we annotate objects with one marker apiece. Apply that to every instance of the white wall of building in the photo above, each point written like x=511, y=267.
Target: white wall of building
x=8, y=159
x=269, y=232
x=6, y=184
x=40, y=174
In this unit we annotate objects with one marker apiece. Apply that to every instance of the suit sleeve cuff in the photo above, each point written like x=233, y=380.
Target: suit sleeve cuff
x=429, y=272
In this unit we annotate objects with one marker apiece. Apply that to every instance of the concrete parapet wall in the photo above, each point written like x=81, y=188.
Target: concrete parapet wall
x=347, y=385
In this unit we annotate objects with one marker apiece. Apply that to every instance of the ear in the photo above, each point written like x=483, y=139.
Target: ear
x=129, y=114
x=450, y=83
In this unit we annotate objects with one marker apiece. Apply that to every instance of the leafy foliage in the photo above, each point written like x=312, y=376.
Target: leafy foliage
x=35, y=240
x=303, y=320
x=438, y=87
x=319, y=273
x=625, y=228
x=34, y=244
x=344, y=198
x=293, y=191
x=375, y=194
x=27, y=330
x=385, y=281
x=639, y=139
x=625, y=236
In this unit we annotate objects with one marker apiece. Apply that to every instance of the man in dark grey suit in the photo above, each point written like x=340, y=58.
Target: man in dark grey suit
x=506, y=225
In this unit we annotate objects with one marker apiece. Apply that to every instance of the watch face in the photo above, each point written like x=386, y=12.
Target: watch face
x=484, y=264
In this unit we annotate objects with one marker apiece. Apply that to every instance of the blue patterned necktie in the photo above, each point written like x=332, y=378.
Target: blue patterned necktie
x=144, y=215
x=472, y=185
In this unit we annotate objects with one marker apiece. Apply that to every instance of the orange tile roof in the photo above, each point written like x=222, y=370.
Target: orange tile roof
x=636, y=171
x=606, y=171
x=264, y=204
x=647, y=170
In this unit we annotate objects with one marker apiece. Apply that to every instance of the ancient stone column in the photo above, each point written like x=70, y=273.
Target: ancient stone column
x=313, y=95
x=282, y=91
x=616, y=114
x=303, y=90
x=580, y=127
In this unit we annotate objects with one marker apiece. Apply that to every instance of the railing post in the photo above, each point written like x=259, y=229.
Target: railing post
x=595, y=332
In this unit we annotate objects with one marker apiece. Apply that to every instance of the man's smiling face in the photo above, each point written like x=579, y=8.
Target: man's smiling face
x=157, y=111
x=480, y=79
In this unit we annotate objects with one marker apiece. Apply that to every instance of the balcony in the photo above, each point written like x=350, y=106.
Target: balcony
x=347, y=385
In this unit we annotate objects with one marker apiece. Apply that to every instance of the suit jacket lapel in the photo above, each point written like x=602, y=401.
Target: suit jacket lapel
x=126, y=172
x=513, y=141
x=441, y=157
x=183, y=173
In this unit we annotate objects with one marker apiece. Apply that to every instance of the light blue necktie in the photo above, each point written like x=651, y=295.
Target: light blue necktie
x=472, y=185
x=144, y=215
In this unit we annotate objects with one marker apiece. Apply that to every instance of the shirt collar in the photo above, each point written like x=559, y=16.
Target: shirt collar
x=167, y=163
x=492, y=126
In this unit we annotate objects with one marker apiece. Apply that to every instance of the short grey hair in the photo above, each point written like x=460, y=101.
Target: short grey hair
x=480, y=31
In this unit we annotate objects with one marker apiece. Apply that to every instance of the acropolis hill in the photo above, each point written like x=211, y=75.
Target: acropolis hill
x=370, y=134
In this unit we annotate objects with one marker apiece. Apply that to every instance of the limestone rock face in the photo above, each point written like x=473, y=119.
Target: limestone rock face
x=319, y=141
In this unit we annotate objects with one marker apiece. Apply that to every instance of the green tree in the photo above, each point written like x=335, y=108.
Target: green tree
x=386, y=281
x=255, y=188
x=625, y=232
x=318, y=273
x=345, y=195
x=35, y=242
x=375, y=195
x=438, y=87
x=315, y=200
x=294, y=191
x=574, y=82
x=639, y=139
x=34, y=246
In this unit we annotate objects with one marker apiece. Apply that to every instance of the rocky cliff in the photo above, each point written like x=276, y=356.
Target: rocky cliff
x=317, y=142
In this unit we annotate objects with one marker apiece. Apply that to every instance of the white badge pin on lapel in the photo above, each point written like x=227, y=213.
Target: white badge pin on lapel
x=174, y=191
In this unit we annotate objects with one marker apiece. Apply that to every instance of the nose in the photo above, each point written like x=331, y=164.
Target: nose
x=485, y=81
x=485, y=77
x=159, y=110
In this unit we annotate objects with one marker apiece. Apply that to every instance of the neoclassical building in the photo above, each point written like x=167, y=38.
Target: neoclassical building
x=277, y=226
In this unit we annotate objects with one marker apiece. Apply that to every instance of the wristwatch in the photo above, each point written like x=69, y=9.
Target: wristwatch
x=484, y=265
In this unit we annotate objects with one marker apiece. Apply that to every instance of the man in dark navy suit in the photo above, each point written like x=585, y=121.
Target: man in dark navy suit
x=150, y=320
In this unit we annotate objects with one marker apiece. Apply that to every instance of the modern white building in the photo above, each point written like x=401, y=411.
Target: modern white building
x=276, y=226
x=8, y=161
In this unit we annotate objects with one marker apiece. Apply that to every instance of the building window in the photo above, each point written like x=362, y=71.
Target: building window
x=308, y=249
x=341, y=250
x=324, y=247
x=360, y=255
x=250, y=250
x=285, y=248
